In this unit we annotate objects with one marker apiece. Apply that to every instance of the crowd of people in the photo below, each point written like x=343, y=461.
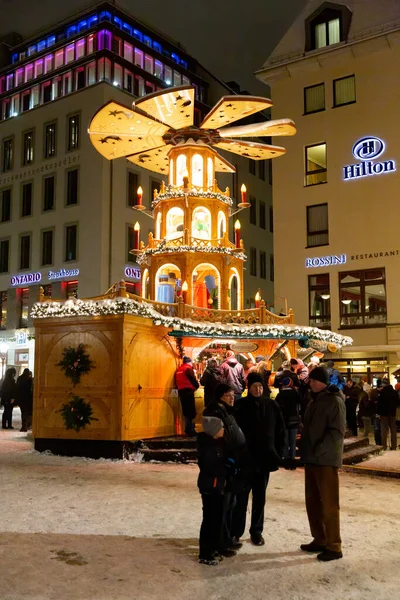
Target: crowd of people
x=246, y=438
x=17, y=393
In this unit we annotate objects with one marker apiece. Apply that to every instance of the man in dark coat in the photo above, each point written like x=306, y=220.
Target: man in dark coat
x=351, y=393
x=187, y=384
x=8, y=394
x=233, y=374
x=211, y=377
x=386, y=409
x=25, y=399
x=289, y=401
x=322, y=453
x=261, y=421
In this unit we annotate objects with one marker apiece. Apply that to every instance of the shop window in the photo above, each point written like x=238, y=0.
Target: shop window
x=71, y=239
x=253, y=210
x=24, y=315
x=47, y=247
x=48, y=290
x=25, y=252
x=271, y=268
x=26, y=199
x=316, y=164
x=317, y=225
x=314, y=98
x=48, y=193
x=319, y=302
x=253, y=262
x=71, y=289
x=263, y=264
x=73, y=132
x=4, y=255
x=8, y=154
x=50, y=140
x=344, y=91
x=6, y=205
x=28, y=148
x=362, y=296
x=133, y=184
x=72, y=187
x=3, y=310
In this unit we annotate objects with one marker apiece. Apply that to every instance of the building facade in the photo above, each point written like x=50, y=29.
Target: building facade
x=66, y=218
x=337, y=252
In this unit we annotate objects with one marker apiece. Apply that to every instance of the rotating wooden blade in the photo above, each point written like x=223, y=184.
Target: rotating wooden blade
x=155, y=159
x=117, y=131
x=233, y=108
x=251, y=149
x=222, y=165
x=172, y=106
x=267, y=128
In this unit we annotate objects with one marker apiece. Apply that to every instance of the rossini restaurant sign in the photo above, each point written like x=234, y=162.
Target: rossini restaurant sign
x=367, y=150
x=341, y=259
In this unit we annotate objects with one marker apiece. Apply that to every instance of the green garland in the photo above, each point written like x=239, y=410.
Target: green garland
x=75, y=363
x=77, y=414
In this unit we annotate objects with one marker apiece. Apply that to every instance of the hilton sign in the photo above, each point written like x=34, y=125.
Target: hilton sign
x=366, y=149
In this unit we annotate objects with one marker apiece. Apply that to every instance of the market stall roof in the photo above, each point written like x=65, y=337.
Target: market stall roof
x=237, y=335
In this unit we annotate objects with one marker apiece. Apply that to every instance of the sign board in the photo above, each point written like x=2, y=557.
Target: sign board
x=367, y=150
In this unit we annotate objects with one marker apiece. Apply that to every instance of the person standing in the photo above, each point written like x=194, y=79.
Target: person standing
x=322, y=453
x=233, y=374
x=351, y=393
x=8, y=396
x=375, y=393
x=366, y=412
x=261, y=421
x=24, y=399
x=187, y=384
x=289, y=401
x=386, y=409
x=261, y=367
x=211, y=377
x=335, y=378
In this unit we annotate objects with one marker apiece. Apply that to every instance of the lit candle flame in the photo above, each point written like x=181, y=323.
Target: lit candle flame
x=237, y=224
x=185, y=286
x=243, y=188
x=137, y=226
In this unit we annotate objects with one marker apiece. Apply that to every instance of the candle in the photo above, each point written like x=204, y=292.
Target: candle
x=237, y=234
x=139, y=196
x=184, y=290
x=136, y=236
x=185, y=180
x=257, y=299
x=243, y=191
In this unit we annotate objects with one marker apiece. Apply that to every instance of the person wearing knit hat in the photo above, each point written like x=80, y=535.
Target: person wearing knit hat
x=212, y=426
x=259, y=358
x=322, y=453
x=289, y=401
x=187, y=384
x=261, y=421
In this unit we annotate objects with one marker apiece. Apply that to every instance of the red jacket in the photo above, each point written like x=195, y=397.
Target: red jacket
x=185, y=378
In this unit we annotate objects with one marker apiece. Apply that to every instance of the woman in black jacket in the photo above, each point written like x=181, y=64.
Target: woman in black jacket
x=8, y=394
x=25, y=399
x=211, y=377
x=289, y=401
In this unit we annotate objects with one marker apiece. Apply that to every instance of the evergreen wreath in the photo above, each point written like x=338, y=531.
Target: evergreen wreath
x=77, y=414
x=75, y=363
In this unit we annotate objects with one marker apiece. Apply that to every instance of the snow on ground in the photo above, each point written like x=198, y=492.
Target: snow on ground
x=77, y=529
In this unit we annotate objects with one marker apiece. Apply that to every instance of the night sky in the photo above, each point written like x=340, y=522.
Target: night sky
x=232, y=38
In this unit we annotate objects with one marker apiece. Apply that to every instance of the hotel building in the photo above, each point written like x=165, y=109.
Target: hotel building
x=66, y=217
x=336, y=192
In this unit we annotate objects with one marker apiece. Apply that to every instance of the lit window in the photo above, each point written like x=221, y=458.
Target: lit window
x=80, y=49
x=19, y=77
x=10, y=81
x=91, y=73
x=67, y=83
x=56, y=86
x=128, y=52
x=319, y=301
x=314, y=98
x=24, y=315
x=35, y=96
x=8, y=155
x=344, y=91
x=50, y=140
x=48, y=63
x=197, y=170
x=174, y=223
x=158, y=69
x=168, y=75
x=201, y=223
x=69, y=53
x=73, y=132
x=362, y=297
x=138, y=58
x=316, y=165
x=148, y=63
x=59, y=59
x=38, y=68
x=177, y=78
x=317, y=225
x=3, y=310
x=28, y=148
x=181, y=169
x=117, y=81
x=91, y=43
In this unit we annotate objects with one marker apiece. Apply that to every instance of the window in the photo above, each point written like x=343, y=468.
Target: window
x=253, y=262
x=3, y=310
x=317, y=225
x=314, y=98
x=362, y=296
x=5, y=205
x=263, y=264
x=344, y=91
x=24, y=315
x=72, y=187
x=263, y=215
x=319, y=302
x=28, y=149
x=133, y=184
x=71, y=289
x=47, y=247
x=253, y=210
x=8, y=155
x=329, y=24
x=26, y=199
x=71, y=232
x=48, y=193
x=4, y=254
x=271, y=219
x=50, y=140
x=327, y=33
x=316, y=171
x=261, y=170
x=73, y=132
x=271, y=268
x=130, y=244
x=24, y=251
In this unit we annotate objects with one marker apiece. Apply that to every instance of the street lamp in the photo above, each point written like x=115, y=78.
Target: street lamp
x=3, y=356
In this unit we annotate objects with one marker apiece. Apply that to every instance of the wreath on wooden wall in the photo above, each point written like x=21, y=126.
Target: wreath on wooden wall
x=75, y=363
x=77, y=413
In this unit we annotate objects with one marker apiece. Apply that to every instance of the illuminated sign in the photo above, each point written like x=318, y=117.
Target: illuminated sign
x=132, y=273
x=326, y=261
x=63, y=274
x=366, y=149
x=21, y=338
x=26, y=279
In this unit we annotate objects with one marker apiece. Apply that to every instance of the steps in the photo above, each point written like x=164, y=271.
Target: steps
x=358, y=449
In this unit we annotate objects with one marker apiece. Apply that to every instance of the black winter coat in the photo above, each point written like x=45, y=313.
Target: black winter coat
x=8, y=391
x=233, y=436
x=262, y=423
x=289, y=401
x=211, y=458
x=387, y=402
x=210, y=379
x=24, y=393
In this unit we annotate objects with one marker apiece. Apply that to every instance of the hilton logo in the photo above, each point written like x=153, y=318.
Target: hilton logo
x=366, y=149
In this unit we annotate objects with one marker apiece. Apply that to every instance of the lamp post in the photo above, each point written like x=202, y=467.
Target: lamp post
x=3, y=356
